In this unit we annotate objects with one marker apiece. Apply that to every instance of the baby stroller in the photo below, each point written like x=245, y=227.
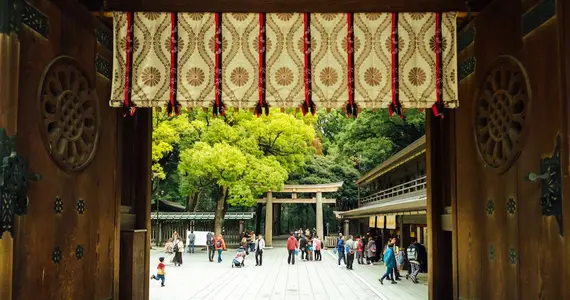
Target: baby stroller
x=239, y=259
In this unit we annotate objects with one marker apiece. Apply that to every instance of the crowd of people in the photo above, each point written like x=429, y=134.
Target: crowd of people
x=365, y=251
x=305, y=242
x=362, y=248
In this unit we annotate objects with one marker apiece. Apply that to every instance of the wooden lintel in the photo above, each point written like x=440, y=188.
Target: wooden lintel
x=298, y=201
x=290, y=6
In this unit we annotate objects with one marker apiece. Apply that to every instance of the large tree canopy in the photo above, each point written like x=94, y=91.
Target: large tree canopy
x=244, y=156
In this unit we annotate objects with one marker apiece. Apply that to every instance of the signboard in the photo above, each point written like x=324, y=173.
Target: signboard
x=200, y=238
x=380, y=221
x=372, y=222
x=391, y=222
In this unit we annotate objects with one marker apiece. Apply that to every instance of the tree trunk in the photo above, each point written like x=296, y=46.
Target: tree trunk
x=220, y=211
x=258, y=218
x=192, y=202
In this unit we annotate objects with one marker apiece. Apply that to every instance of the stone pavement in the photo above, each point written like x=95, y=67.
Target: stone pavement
x=198, y=279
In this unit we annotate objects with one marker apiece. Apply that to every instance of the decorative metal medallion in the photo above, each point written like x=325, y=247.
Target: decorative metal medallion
x=501, y=112
x=79, y=252
x=14, y=177
x=69, y=114
x=56, y=255
x=58, y=205
x=80, y=206
x=551, y=186
x=491, y=252
x=511, y=206
x=490, y=207
x=513, y=257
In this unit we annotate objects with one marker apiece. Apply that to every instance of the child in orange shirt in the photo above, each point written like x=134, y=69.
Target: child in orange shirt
x=160, y=273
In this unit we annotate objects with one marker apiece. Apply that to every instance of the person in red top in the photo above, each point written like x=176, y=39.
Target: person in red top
x=160, y=273
x=360, y=250
x=291, y=247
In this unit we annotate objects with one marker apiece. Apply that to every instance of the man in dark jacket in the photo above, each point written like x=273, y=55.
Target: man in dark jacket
x=210, y=246
x=303, y=246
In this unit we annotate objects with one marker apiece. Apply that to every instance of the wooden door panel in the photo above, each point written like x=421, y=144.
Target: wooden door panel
x=541, y=245
x=470, y=198
x=501, y=234
x=520, y=250
x=65, y=254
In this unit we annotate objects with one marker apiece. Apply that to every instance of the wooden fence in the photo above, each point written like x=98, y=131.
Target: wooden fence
x=168, y=227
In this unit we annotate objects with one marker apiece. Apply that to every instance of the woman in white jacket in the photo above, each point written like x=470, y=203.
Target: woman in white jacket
x=259, y=246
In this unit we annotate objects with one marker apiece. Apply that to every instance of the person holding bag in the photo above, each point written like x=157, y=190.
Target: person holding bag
x=291, y=248
x=259, y=246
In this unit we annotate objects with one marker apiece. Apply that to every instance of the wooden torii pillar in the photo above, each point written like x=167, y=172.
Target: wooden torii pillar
x=318, y=189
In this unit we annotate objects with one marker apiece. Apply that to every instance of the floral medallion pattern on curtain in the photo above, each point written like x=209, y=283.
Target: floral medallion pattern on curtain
x=343, y=60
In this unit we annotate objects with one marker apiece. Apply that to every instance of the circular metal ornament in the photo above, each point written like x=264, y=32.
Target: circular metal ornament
x=501, y=113
x=69, y=113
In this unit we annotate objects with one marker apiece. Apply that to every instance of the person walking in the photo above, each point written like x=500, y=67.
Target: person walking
x=340, y=249
x=371, y=249
x=291, y=247
x=191, y=240
x=303, y=248
x=390, y=262
x=396, y=250
x=160, y=273
x=210, y=241
x=220, y=246
x=259, y=246
x=178, y=250
x=251, y=241
x=349, y=250
x=415, y=260
x=359, y=249
x=169, y=250
x=317, y=245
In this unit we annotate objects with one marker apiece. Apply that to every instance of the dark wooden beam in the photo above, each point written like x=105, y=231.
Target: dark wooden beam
x=323, y=6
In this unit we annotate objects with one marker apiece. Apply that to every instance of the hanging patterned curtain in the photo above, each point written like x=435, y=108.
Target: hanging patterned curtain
x=308, y=61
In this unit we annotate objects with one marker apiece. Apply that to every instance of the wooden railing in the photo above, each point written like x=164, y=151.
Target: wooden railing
x=401, y=189
x=167, y=228
x=330, y=241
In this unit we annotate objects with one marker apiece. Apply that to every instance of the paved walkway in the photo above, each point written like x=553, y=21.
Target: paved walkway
x=198, y=279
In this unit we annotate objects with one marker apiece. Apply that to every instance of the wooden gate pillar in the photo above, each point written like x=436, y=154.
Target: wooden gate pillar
x=10, y=16
x=241, y=226
x=319, y=215
x=269, y=220
x=346, y=228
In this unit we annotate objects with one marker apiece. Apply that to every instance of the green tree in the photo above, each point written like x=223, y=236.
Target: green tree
x=373, y=137
x=244, y=156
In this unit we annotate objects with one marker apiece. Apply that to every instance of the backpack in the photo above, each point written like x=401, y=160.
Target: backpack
x=412, y=253
x=209, y=239
x=219, y=244
x=175, y=249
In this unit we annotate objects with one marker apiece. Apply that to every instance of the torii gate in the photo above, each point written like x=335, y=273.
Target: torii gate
x=294, y=189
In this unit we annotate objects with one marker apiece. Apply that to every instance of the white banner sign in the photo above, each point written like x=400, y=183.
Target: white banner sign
x=200, y=238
